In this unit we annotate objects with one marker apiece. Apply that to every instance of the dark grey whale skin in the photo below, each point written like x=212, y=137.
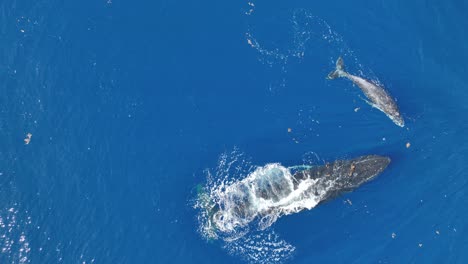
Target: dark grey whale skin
x=347, y=174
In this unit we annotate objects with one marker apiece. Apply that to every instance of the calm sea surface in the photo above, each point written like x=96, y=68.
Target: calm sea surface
x=131, y=105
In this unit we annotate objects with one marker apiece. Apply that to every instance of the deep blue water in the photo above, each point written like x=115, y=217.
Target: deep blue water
x=129, y=102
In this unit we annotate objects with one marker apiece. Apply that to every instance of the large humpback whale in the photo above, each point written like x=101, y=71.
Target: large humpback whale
x=378, y=97
x=272, y=191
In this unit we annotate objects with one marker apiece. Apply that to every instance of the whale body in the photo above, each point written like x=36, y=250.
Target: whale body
x=346, y=175
x=273, y=191
x=378, y=97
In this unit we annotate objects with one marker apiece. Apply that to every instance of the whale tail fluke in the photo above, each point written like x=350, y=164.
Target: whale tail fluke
x=339, y=71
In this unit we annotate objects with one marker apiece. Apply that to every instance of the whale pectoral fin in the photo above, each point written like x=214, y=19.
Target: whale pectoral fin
x=369, y=102
x=365, y=100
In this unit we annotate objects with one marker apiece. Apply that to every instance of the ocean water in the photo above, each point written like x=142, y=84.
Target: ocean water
x=135, y=105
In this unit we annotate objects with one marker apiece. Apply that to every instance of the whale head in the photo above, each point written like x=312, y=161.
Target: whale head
x=344, y=176
x=397, y=119
x=365, y=169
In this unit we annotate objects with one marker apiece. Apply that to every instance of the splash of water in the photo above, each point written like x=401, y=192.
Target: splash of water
x=238, y=236
x=261, y=198
x=239, y=204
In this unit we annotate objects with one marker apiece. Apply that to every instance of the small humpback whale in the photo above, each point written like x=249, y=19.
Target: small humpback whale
x=378, y=97
x=273, y=191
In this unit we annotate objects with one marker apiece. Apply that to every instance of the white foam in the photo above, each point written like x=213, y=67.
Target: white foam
x=264, y=195
x=240, y=203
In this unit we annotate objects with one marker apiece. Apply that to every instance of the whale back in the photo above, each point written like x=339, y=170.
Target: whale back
x=344, y=176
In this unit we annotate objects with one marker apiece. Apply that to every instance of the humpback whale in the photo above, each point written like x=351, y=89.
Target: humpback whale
x=272, y=191
x=378, y=97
